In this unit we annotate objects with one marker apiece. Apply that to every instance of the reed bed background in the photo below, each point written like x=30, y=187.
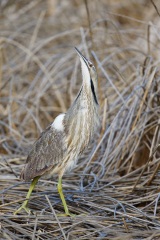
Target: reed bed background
x=115, y=189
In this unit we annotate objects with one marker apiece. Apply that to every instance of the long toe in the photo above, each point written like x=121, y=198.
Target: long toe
x=68, y=214
x=22, y=207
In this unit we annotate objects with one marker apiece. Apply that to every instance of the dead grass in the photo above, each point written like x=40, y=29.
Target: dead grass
x=114, y=191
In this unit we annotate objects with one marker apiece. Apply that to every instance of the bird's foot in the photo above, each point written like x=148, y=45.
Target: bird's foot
x=24, y=206
x=67, y=214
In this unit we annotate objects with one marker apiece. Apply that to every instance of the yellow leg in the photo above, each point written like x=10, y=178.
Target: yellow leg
x=24, y=204
x=62, y=197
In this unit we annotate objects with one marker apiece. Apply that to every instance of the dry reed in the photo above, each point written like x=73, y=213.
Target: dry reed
x=114, y=191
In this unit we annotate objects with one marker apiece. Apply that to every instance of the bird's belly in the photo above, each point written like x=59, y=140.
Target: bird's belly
x=71, y=164
x=49, y=174
x=65, y=166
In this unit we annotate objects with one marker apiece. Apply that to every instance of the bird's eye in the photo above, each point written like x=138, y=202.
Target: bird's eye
x=90, y=64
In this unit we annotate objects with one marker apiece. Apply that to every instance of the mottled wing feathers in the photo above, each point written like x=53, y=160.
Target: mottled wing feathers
x=46, y=153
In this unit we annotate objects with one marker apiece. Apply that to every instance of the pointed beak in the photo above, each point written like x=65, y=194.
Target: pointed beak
x=82, y=57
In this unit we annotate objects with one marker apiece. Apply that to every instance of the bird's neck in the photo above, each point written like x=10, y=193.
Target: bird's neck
x=85, y=106
x=82, y=118
x=89, y=89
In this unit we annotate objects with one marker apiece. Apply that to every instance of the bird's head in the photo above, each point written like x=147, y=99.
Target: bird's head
x=89, y=74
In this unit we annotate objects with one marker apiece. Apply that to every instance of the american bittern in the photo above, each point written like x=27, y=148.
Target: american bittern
x=58, y=147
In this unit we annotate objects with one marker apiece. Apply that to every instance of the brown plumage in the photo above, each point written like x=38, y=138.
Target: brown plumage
x=58, y=147
x=45, y=154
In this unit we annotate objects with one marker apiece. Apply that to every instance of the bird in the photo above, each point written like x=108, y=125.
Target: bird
x=57, y=149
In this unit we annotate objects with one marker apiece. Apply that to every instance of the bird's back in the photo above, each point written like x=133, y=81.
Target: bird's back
x=45, y=154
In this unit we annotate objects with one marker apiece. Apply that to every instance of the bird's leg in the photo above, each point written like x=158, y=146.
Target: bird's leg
x=62, y=197
x=24, y=204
